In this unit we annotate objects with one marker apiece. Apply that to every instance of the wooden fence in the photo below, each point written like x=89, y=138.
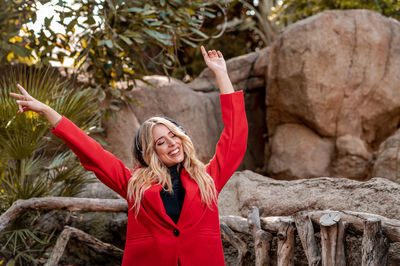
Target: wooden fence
x=377, y=232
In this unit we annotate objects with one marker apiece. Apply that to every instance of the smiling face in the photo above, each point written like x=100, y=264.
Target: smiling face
x=167, y=145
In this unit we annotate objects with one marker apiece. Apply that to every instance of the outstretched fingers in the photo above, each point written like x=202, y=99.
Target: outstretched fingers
x=204, y=52
x=17, y=96
x=22, y=90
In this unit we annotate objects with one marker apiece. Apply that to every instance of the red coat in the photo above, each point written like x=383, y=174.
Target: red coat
x=152, y=238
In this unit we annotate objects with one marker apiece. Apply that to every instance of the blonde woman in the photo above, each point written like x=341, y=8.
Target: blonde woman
x=172, y=196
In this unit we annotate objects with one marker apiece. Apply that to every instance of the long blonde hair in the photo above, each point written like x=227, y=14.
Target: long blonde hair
x=152, y=171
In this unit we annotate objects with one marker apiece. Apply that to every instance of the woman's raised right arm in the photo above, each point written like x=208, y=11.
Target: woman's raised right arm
x=109, y=169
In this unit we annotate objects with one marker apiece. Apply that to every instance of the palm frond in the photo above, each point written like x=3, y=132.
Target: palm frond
x=28, y=165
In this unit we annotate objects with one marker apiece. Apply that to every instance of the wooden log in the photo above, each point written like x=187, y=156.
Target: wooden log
x=262, y=239
x=286, y=244
x=355, y=222
x=82, y=237
x=375, y=246
x=273, y=223
x=305, y=230
x=270, y=224
x=236, y=223
x=332, y=240
x=61, y=203
x=243, y=257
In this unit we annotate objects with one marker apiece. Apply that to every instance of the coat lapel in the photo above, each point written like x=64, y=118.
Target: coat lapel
x=154, y=207
x=190, y=211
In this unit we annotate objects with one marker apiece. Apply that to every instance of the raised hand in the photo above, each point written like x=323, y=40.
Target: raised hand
x=214, y=60
x=27, y=103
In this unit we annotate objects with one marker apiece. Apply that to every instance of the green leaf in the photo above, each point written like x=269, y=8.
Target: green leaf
x=188, y=42
x=20, y=50
x=47, y=21
x=207, y=14
x=199, y=32
x=134, y=10
x=71, y=25
x=125, y=39
x=108, y=43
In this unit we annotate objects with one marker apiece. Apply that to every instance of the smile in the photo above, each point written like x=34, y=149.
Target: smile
x=174, y=152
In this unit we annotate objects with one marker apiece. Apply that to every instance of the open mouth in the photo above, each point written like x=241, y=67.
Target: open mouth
x=174, y=152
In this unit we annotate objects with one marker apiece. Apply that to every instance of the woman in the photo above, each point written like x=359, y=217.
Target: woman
x=172, y=197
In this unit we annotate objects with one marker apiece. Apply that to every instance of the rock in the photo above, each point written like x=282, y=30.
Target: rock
x=337, y=72
x=297, y=152
x=350, y=145
x=276, y=198
x=353, y=159
x=98, y=190
x=387, y=163
x=120, y=135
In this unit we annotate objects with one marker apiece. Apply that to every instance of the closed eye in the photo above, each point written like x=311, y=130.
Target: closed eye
x=160, y=143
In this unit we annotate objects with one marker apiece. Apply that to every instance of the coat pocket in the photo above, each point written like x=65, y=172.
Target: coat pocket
x=139, y=237
x=208, y=232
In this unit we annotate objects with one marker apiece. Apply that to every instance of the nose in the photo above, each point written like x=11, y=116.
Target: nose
x=171, y=141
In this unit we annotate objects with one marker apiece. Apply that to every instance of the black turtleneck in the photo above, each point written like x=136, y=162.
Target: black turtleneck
x=173, y=202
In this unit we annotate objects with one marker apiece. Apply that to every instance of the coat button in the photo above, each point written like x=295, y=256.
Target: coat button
x=176, y=232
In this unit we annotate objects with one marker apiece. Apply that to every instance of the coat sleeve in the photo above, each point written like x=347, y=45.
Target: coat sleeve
x=233, y=140
x=108, y=169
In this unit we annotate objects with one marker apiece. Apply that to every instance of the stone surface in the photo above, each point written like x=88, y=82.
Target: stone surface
x=98, y=190
x=338, y=73
x=120, y=135
x=297, y=152
x=353, y=160
x=387, y=163
x=275, y=198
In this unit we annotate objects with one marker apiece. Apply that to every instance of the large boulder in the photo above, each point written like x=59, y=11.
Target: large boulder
x=337, y=73
x=275, y=198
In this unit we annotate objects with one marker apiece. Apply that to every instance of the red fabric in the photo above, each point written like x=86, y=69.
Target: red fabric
x=152, y=237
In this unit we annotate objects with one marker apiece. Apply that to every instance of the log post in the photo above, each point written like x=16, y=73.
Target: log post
x=332, y=239
x=83, y=237
x=243, y=253
x=305, y=230
x=262, y=239
x=286, y=244
x=375, y=245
